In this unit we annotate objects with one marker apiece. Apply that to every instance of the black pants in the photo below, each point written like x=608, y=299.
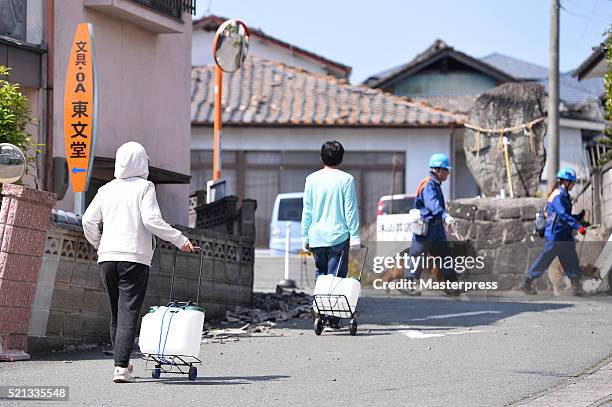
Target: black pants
x=126, y=285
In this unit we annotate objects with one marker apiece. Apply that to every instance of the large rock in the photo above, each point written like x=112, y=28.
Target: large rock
x=506, y=106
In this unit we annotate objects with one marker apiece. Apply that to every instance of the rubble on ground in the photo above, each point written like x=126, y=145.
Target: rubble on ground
x=268, y=308
x=272, y=307
x=234, y=334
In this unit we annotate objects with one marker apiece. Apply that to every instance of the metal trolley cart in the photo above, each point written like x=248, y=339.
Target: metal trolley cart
x=184, y=364
x=159, y=363
x=326, y=306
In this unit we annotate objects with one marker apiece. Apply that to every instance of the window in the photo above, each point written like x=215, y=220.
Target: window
x=290, y=209
x=402, y=205
x=13, y=19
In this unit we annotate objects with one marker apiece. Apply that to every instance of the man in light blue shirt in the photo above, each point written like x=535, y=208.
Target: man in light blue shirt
x=330, y=218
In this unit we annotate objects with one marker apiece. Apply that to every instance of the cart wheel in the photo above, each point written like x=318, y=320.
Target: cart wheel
x=156, y=373
x=318, y=326
x=353, y=327
x=193, y=373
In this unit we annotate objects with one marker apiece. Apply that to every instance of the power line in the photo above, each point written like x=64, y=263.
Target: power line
x=592, y=16
x=588, y=23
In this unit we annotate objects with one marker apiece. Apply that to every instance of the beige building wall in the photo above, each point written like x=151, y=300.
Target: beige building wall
x=143, y=89
x=36, y=130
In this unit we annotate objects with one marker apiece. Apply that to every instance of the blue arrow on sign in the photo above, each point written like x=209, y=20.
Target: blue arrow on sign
x=75, y=170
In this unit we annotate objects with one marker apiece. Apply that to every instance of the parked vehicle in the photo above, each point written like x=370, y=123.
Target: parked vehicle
x=393, y=204
x=287, y=208
x=392, y=220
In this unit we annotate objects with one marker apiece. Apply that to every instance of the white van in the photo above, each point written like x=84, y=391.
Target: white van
x=287, y=209
x=392, y=221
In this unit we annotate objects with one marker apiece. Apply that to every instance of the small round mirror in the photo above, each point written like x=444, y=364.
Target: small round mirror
x=231, y=45
x=12, y=163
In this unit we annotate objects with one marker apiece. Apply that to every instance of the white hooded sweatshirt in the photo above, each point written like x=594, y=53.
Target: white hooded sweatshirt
x=128, y=208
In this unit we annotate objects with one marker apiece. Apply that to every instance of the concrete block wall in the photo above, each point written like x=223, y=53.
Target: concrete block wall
x=227, y=273
x=71, y=306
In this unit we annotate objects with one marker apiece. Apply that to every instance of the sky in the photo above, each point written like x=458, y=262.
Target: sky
x=372, y=36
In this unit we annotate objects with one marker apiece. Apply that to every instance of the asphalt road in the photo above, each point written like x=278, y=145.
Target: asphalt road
x=269, y=270
x=407, y=352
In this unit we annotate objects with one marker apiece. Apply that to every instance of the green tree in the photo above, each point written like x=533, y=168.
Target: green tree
x=15, y=115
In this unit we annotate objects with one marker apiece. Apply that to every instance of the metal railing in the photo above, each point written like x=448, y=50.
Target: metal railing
x=172, y=8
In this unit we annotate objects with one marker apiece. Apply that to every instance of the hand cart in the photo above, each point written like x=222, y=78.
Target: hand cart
x=176, y=364
x=328, y=307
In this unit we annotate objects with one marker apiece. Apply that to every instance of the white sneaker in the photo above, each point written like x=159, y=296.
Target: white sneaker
x=123, y=375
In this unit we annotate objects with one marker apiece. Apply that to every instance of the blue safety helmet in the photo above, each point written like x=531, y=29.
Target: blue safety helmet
x=567, y=174
x=439, y=160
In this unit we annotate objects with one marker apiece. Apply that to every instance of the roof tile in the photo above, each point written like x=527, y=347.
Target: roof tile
x=272, y=93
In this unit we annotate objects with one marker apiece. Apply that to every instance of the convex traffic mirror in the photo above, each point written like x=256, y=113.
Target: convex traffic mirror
x=231, y=45
x=12, y=163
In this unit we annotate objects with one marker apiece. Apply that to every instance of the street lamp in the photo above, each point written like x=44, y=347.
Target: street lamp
x=230, y=48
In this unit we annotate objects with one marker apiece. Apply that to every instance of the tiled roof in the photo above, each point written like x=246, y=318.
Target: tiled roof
x=212, y=22
x=521, y=70
x=580, y=105
x=387, y=73
x=435, y=52
x=455, y=104
x=265, y=93
x=572, y=91
x=67, y=220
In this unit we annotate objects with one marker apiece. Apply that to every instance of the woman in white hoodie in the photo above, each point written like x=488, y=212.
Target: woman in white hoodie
x=127, y=207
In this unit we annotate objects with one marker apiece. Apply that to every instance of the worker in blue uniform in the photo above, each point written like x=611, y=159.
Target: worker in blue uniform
x=430, y=202
x=560, y=224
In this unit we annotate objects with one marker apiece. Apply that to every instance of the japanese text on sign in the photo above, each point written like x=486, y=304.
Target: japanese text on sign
x=79, y=108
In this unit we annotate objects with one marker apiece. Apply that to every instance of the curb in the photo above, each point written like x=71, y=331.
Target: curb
x=591, y=388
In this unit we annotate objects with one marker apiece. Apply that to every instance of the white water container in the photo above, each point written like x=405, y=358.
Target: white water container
x=172, y=331
x=337, y=287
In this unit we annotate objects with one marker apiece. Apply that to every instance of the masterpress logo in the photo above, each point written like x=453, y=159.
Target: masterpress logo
x=429, y=284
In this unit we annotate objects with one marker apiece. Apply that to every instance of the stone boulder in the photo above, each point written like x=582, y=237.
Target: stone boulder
x=505, y=106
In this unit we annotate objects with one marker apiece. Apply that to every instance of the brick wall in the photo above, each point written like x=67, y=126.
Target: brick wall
x=23, y=221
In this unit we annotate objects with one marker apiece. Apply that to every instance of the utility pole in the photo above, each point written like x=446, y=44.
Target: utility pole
x=552, y=155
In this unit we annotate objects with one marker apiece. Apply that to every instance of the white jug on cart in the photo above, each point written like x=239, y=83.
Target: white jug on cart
x=172, y=331
x=344, y=292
